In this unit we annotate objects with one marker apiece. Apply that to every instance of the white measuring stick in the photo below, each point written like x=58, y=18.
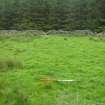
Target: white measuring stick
x=65, y=80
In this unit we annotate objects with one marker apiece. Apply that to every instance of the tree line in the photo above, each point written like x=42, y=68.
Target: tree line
x=52, y=14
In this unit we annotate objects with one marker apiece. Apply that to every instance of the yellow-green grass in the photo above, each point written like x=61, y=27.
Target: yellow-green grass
x=54, y=57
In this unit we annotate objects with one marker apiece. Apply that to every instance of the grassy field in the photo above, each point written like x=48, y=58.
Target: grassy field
x=24, y=62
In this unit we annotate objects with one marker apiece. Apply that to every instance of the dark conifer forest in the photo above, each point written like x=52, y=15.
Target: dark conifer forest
x=52, y=14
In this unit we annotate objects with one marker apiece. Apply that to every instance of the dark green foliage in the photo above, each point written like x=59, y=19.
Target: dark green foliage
x=52, y=14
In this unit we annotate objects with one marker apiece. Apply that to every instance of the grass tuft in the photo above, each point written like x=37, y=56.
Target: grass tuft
x=10, y=64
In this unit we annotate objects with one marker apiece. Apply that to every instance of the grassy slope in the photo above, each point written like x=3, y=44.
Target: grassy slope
x=76, y=58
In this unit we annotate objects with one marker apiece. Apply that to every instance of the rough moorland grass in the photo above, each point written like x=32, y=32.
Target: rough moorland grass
x=55, y=57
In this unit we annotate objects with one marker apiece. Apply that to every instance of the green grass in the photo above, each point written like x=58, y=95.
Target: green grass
x=56, y=57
